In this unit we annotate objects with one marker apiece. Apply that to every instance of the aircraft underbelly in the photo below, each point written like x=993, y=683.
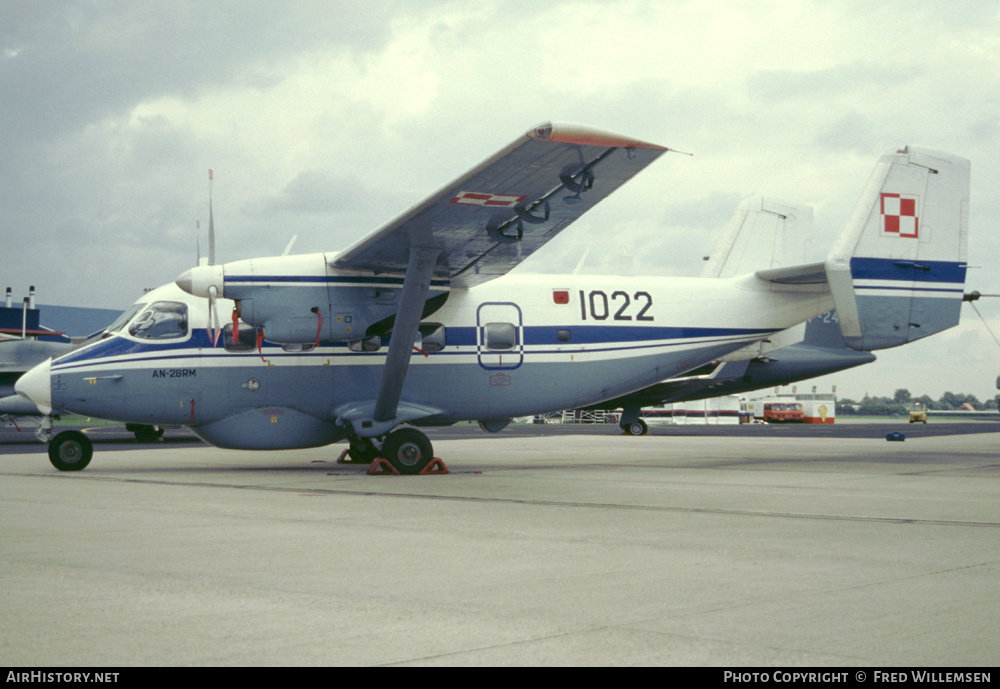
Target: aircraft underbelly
x=470, y=392
x=270, y=428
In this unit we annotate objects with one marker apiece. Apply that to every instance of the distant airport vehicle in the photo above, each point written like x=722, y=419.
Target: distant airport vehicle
x=419, y=323
x=917, y=413
x=776, y=411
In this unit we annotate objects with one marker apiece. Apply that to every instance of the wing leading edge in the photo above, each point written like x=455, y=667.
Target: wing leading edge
x=493, y=217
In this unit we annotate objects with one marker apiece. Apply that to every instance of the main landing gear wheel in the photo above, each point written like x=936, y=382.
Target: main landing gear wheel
x=408, y=450
x=70, y=451
x=361, y=451
x=636, y=428
x=144, y=433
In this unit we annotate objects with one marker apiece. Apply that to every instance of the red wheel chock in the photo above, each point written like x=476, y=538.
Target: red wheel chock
x=435, y=467
x=349, y=456
x=382, y=467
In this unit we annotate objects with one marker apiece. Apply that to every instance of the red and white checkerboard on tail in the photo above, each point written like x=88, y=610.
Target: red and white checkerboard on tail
x=899, y=215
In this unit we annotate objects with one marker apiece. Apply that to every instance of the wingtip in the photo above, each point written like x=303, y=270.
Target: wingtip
x=563, y=133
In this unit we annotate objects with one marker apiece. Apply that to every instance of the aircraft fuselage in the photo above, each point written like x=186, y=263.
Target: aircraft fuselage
x=514, y=346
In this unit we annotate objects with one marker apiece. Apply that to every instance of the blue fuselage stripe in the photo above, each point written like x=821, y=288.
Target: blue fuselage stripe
x=907, y=270
x=598, y=338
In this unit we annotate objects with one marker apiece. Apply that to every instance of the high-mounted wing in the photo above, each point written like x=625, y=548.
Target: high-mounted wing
x=496, y=215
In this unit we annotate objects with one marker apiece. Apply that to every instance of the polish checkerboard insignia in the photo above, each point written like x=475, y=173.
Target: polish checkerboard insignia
x=472, y=198
x=899, y=215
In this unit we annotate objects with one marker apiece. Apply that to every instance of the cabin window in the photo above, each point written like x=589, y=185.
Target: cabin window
x=432, y=337
x=163, y=320
x=246, y=338
x=369, y=344
x=500, y=335
x=563, y=335
x=298, y=347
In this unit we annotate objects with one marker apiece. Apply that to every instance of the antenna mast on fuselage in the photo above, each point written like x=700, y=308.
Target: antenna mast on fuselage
x=211, y=229
x=211, y=223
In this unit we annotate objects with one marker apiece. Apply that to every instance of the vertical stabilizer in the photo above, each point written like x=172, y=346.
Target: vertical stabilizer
x=764, y=233
x=897, y=271
x=824, y=331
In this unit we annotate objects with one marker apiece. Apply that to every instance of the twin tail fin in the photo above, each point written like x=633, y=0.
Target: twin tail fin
x=897, y=271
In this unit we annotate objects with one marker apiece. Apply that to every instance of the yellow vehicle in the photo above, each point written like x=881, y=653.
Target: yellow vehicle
x=918, y=413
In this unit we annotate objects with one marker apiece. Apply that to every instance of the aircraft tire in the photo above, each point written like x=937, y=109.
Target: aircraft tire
x=636, y=428
x=408, y=450
x=148, y=434
x=70, y=451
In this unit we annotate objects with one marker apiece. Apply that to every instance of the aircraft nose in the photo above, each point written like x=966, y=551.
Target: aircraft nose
x=36, y=385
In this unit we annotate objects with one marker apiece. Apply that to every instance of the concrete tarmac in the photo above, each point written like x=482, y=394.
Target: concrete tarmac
x=561, y=549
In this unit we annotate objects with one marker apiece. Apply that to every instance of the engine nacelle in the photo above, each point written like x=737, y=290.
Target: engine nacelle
x=301, y=299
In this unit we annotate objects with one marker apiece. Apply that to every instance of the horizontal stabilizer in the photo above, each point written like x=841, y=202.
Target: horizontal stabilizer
x=897, y=272
x=808, y=274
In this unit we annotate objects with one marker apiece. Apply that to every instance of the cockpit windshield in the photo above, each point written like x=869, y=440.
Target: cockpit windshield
x=122, y=320
x=163, y=320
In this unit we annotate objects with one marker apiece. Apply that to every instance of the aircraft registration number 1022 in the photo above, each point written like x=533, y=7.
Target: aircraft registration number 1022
x=600, y=306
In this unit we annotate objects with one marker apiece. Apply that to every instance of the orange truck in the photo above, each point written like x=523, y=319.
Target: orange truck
x=773, y=411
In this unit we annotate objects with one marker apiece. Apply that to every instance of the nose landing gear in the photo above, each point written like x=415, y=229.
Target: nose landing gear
x=70, y=451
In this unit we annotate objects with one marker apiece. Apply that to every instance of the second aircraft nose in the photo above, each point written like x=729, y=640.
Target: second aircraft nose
x=197, y=280
x=36, y=385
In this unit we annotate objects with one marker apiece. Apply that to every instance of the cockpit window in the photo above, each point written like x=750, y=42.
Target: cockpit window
x=163, y=320
x=122, y=319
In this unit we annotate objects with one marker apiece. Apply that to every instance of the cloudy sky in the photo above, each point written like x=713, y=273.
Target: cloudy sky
x=325, y=119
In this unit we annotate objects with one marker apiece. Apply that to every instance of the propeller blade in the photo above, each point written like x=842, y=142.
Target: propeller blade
x=236, y=327
x=213, y=316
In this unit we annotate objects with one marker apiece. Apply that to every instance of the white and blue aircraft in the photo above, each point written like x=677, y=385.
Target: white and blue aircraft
x=419, y=323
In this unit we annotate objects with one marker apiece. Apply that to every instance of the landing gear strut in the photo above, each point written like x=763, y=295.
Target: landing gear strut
x=631, y=421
